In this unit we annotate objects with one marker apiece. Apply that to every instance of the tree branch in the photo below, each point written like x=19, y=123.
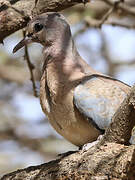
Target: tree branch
x=123, y=6
x=15, y=16
x=31, y=68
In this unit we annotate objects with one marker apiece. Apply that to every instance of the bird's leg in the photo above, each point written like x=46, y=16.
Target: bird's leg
x=85, y=147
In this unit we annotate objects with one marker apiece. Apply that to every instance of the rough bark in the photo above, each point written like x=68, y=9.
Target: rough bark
x=17, y=13
x=109, y=159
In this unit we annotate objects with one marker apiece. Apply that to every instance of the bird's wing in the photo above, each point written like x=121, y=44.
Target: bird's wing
x=98, y=100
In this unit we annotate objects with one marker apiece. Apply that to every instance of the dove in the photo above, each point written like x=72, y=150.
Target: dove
x=78, y=101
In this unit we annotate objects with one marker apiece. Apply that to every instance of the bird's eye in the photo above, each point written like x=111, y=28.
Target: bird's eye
x=38, y=27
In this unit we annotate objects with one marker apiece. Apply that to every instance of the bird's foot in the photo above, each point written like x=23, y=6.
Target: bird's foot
x=85, y=147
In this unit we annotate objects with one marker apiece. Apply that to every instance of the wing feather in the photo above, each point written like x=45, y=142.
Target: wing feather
x=98, y=100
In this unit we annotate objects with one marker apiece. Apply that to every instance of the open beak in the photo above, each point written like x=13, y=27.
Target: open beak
x=22, y=43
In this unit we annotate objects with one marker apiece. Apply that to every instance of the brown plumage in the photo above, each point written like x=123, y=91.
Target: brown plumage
x=78, y=101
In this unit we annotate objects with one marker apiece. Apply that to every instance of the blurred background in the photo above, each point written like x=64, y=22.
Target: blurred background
x=26, y=137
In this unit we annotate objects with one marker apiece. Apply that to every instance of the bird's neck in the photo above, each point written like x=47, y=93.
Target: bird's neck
x=65, y=54
x=60, y=48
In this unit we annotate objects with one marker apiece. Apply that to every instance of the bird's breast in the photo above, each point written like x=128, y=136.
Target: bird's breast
x=56, y=96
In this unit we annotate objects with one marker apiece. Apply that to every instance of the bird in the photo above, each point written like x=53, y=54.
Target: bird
x=78, y=101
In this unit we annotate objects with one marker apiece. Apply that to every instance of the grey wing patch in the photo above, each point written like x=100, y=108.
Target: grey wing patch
x=98, y=100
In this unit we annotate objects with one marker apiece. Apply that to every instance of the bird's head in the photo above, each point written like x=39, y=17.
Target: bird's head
x=45, y=29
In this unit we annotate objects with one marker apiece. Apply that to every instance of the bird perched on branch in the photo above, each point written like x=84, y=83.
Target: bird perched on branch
x=78, y=101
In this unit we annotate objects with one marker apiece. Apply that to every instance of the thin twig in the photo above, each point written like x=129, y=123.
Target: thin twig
x=31, y=67
x=106, y=16
x=94, y=23
x=127, y=26
x=99, y=23
x=90, y=22
x=122, y=5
